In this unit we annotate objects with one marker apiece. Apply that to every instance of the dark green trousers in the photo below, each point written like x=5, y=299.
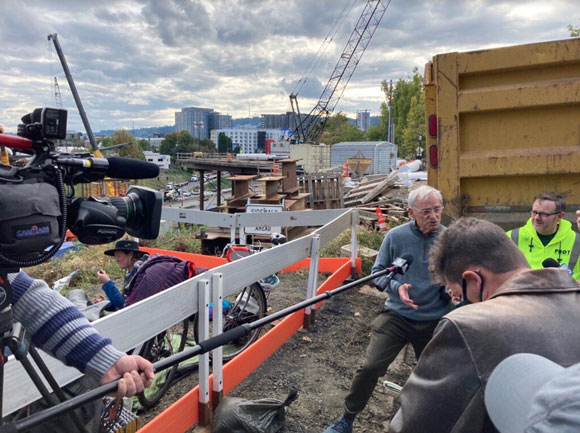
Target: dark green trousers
x=390, y=332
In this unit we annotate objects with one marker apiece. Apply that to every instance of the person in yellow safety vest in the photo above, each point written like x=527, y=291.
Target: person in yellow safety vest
x=547, y=235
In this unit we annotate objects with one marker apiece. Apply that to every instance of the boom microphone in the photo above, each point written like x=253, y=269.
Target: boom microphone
x=127, y=168
x=401, y=264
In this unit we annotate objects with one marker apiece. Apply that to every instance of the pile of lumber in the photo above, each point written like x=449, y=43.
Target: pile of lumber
x=370, y=190
x=371, y=193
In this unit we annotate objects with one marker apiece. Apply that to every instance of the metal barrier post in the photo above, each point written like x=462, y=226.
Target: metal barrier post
x=217, y=353
x=353, y=243
x=233, y=229
x=203, y=332
x=241, y=230
x=310, y=312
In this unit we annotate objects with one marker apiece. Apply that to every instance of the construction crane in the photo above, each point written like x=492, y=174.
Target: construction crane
x=54, y=38
x=310, y=127
x=57, y=96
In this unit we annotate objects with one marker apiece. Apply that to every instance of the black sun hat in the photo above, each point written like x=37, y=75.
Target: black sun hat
x=126, y=246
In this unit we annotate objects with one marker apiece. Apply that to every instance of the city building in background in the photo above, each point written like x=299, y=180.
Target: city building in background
x=279, y=121
x=200, y=121
x=155, y=140
x=162, y=161
x=250, y=140
x=363, y=120
x=220, y=121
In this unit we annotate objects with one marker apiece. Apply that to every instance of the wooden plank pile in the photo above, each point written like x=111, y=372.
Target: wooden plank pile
x=372, y=193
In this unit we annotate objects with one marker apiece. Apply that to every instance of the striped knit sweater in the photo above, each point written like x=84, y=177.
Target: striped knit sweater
x=55, y=325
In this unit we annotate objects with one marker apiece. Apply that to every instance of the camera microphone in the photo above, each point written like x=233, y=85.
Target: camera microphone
x=114, y=167
x=127, y=168
x=401, y=264
x=551, y=263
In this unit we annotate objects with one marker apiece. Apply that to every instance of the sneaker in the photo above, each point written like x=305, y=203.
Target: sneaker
x=341, y=425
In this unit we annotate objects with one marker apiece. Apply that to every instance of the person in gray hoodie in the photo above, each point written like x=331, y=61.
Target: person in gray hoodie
x=414, y=305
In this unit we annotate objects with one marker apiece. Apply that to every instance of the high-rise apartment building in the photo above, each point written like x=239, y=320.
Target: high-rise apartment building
x=200, y=121
x=363, y=120
x=280, y=121
x=220, y=121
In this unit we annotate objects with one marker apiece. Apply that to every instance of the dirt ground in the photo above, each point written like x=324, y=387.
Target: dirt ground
x=319, y=363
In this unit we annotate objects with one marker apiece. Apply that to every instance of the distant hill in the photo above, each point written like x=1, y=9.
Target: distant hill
x=142, y=132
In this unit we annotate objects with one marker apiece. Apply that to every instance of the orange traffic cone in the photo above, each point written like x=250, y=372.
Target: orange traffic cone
x=381, y=220
x=345, y=169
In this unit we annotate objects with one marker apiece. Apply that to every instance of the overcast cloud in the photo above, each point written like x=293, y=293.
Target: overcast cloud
x=137, y=62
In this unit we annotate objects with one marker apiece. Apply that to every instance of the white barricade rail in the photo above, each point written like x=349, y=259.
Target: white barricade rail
x=139, y=322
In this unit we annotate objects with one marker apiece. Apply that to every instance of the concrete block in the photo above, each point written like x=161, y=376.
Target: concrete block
x=362, y=252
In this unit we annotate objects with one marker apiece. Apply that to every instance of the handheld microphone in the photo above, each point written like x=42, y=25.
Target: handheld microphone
x=551, y=263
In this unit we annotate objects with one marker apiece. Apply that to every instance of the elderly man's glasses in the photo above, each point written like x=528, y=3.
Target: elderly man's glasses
x=427, y=212
x=542, y=215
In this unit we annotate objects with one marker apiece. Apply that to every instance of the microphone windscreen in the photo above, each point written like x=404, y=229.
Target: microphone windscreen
x=408, y=257
x=127, y=168
x=550, y=263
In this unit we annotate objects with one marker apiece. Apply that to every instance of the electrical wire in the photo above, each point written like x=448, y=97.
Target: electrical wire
x=323, y=46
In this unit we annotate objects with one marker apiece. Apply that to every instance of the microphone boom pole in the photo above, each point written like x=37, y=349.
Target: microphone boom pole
x=198, y=349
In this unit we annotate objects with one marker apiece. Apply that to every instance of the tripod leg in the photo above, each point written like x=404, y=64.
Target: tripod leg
x=53, y=384
x=16, y=347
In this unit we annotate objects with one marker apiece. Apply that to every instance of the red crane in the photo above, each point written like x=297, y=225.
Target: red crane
x=310, y=127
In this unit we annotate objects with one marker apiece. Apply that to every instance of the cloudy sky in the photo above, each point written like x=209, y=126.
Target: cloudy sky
x=137, y=62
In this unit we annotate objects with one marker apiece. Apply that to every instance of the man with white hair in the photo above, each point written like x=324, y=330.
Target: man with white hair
x=414, y=306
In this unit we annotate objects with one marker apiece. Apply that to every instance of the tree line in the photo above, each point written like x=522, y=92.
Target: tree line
x=408, y=117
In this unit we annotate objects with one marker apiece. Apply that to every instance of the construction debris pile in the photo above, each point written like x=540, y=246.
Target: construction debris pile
x=378, y=191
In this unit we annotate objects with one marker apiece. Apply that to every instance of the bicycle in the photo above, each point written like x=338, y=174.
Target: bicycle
x=247, y=306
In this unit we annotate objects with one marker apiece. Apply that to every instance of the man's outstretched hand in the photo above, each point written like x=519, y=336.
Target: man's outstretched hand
x=404, y=296
x=136, y=373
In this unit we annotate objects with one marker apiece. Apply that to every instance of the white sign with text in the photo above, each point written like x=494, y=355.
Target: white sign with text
x=263, y=208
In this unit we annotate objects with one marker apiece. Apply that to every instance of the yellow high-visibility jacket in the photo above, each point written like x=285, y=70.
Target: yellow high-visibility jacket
x=564, y=247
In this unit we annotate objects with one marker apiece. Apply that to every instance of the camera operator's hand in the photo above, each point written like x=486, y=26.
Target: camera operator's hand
x=103, y=277
x=404, y=295
x=578, y=218
x=136, y=374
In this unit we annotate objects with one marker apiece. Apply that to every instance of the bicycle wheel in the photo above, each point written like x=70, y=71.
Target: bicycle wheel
x=162, y=346
x=244, y=307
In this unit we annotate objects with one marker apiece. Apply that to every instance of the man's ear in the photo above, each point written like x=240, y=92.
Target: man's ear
x=472, y=279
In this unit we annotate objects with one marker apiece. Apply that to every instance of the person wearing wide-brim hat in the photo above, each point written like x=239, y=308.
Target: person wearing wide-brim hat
x=127, y=255
x=125, y=246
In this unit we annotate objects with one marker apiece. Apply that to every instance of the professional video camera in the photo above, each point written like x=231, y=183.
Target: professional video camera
x=36, y=209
